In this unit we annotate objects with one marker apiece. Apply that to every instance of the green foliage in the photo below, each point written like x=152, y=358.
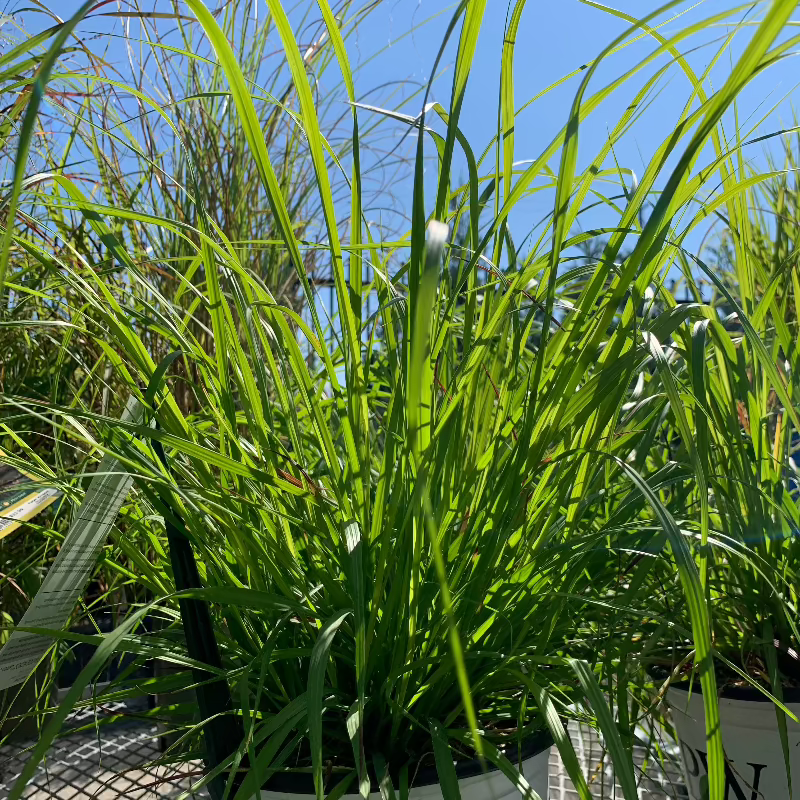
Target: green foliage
x=425, y=532
x=733, y=373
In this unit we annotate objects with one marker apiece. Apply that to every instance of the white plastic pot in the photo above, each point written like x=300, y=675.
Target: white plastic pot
x=491, y=785
x=756, y=769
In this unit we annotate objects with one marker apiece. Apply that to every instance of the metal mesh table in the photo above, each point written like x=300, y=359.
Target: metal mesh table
x=120, y=763
x=655, y=781
x=101, y=765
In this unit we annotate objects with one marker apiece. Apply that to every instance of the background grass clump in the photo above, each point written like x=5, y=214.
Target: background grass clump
x=503, y=469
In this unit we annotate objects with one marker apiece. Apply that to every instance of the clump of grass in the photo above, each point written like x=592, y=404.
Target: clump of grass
x=412, y=532
x=736, y=368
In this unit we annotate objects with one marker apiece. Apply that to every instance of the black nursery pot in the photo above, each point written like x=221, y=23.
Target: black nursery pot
x=15, y=703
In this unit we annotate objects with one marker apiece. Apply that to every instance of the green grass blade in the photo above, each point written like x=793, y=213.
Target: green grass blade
x=26, y=130
x=620, y=756
x=316, y=685
x=560, y=736
x=445, y=769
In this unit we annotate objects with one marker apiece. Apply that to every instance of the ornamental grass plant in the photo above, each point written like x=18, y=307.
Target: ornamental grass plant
x=93, y=130
x=415, y=533
x=734, y=372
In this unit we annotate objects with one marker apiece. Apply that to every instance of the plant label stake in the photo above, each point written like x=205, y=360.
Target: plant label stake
x=66, y=580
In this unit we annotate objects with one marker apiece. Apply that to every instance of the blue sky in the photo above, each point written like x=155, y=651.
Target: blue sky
x=555, y=38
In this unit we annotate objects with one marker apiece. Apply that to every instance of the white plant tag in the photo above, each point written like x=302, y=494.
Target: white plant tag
x=66, y=580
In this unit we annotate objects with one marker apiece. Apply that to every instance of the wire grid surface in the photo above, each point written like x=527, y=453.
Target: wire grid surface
x=101, y=765
x=654, y=780
x=119, y=764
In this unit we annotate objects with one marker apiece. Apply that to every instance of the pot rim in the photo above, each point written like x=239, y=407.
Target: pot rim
x=747, y=693
x=302, y=783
